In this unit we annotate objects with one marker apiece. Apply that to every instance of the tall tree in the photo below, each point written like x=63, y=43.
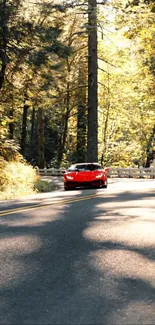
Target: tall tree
x=92, y=141
x=150, y=152
x=41, y=158
x=81, y=115
x=3, y=39
x=32, y=134
x=65, y=124
x=24, y=125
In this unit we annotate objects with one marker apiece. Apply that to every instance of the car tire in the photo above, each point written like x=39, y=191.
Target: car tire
x=105, y=185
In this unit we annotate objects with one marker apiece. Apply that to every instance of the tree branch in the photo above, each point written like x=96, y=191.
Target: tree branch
x=107, y=62
x=103, y=70
x=100, y=83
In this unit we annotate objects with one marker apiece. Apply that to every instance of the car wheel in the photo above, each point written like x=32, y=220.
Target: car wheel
x=105, y=185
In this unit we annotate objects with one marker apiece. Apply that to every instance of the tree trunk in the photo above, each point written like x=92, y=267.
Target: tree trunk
x=32, y=133
x=41, y=160
x=11, y=126
x=81, y=117
x=106, y=123
x=63, y=140
x=3, y=60
x=92, y=140
x=11, y=116
x=24, y=126
x=65, y=129
x=150, y=152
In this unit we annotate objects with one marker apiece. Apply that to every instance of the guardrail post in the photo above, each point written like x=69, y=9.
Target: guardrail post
x=141, y=172
x=130, y=173
x=119, y=172
x=37, y=170
x=152, y=173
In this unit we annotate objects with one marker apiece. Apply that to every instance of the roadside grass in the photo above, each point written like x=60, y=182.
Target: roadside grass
x=44, y=185
x=19, y=179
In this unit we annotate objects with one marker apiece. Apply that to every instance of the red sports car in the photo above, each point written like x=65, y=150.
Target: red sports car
x=85, y=175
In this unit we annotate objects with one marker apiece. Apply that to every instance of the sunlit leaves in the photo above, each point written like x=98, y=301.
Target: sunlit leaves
x=127, y=108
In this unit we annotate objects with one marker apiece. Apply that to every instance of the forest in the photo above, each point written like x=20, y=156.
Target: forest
x=77, y=82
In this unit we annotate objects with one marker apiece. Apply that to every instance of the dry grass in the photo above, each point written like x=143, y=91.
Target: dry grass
x=16, y=179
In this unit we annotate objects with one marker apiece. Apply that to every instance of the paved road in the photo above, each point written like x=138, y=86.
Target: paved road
x=83, y=257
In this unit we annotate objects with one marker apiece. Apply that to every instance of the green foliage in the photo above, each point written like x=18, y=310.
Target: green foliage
x=126, y=95
x=9, y=150
x=44, y=186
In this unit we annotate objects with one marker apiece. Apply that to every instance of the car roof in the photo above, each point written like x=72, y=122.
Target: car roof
x=86, y=163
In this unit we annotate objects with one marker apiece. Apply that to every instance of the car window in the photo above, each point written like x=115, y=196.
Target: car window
x=85, y=167
x=72, y=168
x=82, y=167
x=77, y=167
x=94, y=167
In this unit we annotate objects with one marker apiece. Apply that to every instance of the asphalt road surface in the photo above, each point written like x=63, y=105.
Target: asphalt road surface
x=80, y=257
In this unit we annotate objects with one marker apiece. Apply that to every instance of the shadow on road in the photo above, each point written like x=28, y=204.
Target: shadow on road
x=79, y=263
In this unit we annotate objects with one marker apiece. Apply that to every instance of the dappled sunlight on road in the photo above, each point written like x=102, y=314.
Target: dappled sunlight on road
x=22, y=244
x=46, y=215
x=123, y=264
x=125, y=220
x=121, y=229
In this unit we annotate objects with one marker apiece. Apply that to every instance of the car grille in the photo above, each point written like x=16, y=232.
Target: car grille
x=95, y=182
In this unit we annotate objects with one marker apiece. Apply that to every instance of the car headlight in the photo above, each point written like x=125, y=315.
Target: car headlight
x=99, y=176
x=69, y=177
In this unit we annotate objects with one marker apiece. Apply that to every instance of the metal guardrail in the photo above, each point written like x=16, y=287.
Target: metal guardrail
x=132, y=172
x=113, y=172
x=50, y=171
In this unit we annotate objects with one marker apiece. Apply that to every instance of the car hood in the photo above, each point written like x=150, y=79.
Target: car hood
x=83, y=175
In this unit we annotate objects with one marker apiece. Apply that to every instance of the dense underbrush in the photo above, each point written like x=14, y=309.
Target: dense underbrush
x=20, y=179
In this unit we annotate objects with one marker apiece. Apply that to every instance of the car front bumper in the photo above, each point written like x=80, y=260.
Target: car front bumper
x=93, y=183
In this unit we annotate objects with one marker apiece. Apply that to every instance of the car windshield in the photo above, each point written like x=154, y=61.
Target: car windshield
x=85, y=167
